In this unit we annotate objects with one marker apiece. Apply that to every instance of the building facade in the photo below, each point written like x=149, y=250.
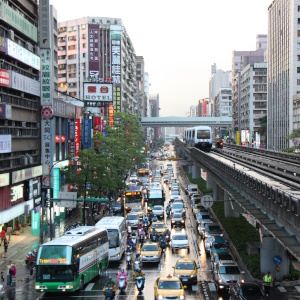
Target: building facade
x=94, y=49
x=141, y=94
x=193, y=111
x=283, y=71
x=20, y=160
x=253, y=97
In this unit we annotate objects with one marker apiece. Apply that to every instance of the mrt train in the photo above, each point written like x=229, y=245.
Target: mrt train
x=199, y=137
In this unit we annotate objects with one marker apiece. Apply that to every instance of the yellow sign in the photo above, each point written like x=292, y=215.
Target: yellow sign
x=238, y=138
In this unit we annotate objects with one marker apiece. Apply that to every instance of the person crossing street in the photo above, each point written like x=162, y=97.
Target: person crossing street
x=267, y=283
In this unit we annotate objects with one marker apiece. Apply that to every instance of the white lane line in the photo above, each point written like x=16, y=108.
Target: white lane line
x=89, y=287
x=297, y=287
x=282, y=289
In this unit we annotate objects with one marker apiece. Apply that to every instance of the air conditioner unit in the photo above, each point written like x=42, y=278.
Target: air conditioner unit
x=11, y=34
x=31, y=160
x=13, y=123
x=25, y=160
x=6, y=122
x=24, y=124
x=29, y=46
x=37, y=50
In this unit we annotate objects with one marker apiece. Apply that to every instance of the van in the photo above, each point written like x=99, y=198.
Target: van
x=192, y=189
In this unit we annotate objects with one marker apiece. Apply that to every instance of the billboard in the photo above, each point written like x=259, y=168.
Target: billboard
x=4, y=78
x=71, y=137
x=5, y=111
x=5, y=143
x=25, y=84
x=46, y=145
x=77, y=137
x=116, y=63
x=94, y=48
x=46, y=77
x=97, y=92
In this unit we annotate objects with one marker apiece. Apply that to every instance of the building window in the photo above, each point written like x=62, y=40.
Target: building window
x=83, y=54
x=298, y=81
x=83, y=26
x=298, y=69
x=83, y=45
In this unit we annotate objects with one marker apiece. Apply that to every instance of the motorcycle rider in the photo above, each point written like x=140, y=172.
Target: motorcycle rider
x=153, y=233
x=162, y=241
x=140, y=226
x=154, y=219
x=145, y=220
x=140, y=273
x=110, y=283
x=124, y=274
x=167, y=232
x=129, y=251
x=130, y=242
x=137, y=259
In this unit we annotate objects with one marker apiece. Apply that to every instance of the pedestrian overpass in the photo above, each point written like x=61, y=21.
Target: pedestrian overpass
x=186, y=121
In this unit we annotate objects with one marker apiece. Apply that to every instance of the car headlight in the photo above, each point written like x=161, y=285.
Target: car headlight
x=182, y=221
x=221, y=281
x=177, y=275
x=181, y=297
x=160, y=297
x=156, y=256
x=193, y=275
x=173, y=221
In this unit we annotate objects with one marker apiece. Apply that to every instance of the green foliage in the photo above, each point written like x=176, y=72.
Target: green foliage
x=295, y=150
x=293, y=275
x=199, y=181
x=160, y=142
x=104, y=166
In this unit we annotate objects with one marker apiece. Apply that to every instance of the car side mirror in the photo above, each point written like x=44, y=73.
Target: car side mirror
x=243, y=272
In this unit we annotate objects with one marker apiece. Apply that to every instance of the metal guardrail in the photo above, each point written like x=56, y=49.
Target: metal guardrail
x=278, y=204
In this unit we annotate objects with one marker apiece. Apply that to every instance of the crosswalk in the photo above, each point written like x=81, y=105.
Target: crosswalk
x=289, y=289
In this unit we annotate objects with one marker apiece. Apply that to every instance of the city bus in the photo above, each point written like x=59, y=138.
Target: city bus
x=134, y=196
x=67, y=263
x=116, y=228
x=156, y=196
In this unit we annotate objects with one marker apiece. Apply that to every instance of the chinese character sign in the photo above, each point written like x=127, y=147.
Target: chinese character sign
x=46, y=78
x=46, y=144
x=116, y=63
x=87, y=133
x=77, y=137
x=93, y=30
x=71, y=137
x=111, y=115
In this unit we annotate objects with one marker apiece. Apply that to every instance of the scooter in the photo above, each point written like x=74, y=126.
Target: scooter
x=162, y=245
x=129, y=230
x=128, y=258
x=154, y=237
x=109, y=295
x=133, y=238
x=142, y=238
x=168, y=212
x=167, y=238
x=137, y=265
x=139, y=281
x=122, y=284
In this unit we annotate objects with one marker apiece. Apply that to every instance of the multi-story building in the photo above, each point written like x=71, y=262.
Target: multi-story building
x=98, y=50
x=218, y=79
x=253, y=97
x=283, y=71
x=141, y=94
x=20, y=160
x=240, y=59
x=201, y=109
x=193, y=111
x=154, y=112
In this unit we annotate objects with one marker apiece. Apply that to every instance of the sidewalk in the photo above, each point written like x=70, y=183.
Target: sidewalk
x=20, y=245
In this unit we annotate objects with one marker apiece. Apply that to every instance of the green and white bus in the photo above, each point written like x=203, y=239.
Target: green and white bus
x=67, y=263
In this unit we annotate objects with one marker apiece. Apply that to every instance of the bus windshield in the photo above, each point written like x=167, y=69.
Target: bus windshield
x=54, y=273
x=113, y=238
x=58, y=255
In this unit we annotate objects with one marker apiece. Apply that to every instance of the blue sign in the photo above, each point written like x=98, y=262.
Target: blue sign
x=277, y=260
x=87, y=133
x=55, y=182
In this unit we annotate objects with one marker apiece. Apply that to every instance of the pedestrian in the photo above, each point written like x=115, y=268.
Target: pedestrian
x=2, y=278
x=9, y=232
x=267, y=283
x=8, y=273
x=3, y=234
x=13, y=274
x=5, y=241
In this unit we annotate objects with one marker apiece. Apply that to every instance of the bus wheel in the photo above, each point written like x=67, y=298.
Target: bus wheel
x=81, y=283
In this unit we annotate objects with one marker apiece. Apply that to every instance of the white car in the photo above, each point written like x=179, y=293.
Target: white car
x=132, y=219
x=158, y=211
x=178, y=208
x=133, y=177
x=180, y=241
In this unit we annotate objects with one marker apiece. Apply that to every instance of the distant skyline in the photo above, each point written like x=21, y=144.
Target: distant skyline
x=180, y=40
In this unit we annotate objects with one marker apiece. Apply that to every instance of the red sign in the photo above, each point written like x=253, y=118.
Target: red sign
x=97, y=123
x=4, y=78
x=104, y=89
x=60, y=138
x=63, y=138
x=57, y=138
x=47, y=112
x=77, y=136
x=111, y=115
x=92, y=89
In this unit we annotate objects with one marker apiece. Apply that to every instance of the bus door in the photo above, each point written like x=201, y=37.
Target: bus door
x=95, y=268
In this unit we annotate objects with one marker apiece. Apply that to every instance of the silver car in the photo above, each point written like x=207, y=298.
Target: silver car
x=207, y=244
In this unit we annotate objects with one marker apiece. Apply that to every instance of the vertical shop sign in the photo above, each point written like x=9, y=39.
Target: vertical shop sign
x=46, y=150
x=111, y=115
x=55, y=182
x=46, y=77
x=77, y=136
x=115, y=38
x=71, y=137
x=97, y=124
x=87, y=133
x=93, y=30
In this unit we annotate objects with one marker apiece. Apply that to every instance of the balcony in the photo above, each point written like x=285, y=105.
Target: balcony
x=72, y=79
x=62, y=80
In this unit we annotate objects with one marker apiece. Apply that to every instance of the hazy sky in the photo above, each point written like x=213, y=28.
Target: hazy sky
x=180, y=40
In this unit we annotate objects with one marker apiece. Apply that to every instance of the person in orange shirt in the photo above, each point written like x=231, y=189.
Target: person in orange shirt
x=3, y=234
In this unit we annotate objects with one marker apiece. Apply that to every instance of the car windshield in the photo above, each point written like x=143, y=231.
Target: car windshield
x=159, y=225
x=177, y=205
x=132, y=217
x=158, y=207
x=150, y=248
x=185, y=266
x=136, y=210
x=224, y=256
x=219, y=246
x=229, y=270
x=116, y=204
x=214, y=228
x=174, y=193
x=169, y=285
x=180, y=237
x=113, y=238
x=177, y=216
x=251, y=291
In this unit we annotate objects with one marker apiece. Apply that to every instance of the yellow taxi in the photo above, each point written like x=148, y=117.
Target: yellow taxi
x=160, y=227
x=137, y=210
x=151, y=252
x=186, y=270
x=168, y=286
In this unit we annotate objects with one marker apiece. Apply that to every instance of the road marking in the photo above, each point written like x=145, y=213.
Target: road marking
x=297, y=287
x=195, y=288
x=282, y=289
x=89, y=287
x=212, y=287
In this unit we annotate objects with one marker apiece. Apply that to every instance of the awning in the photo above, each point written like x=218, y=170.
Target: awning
x=97, y=200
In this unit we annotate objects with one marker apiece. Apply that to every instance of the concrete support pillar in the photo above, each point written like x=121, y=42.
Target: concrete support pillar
x=218, y=193
x=209, y=182
x=229, y=210
x=190, y=169
x=215, y=191
x=196, y=172
x=270, y=248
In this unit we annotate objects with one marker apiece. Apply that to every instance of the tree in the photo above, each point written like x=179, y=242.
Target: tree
x=160, y=142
